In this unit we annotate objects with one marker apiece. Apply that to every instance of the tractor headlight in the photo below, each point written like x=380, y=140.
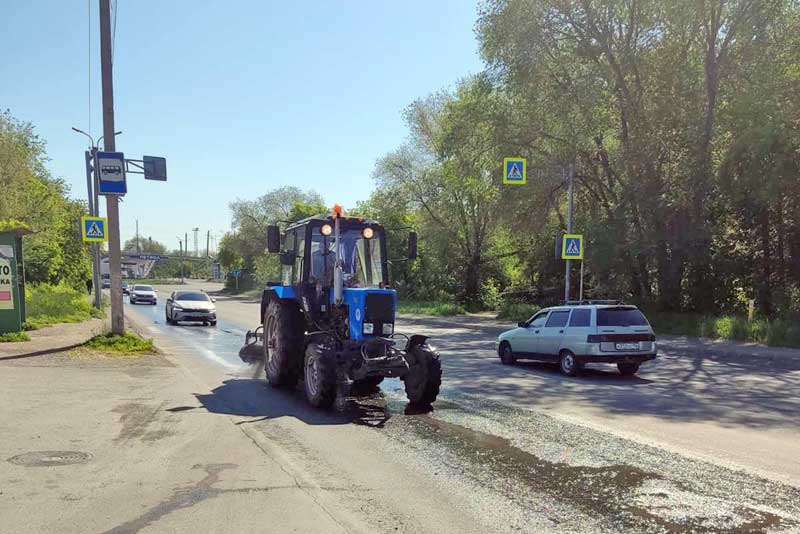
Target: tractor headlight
x=368, y=328
x=388, y=329
x=368, y=233
x=326, y=229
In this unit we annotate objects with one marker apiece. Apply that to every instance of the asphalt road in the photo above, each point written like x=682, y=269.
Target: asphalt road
x=692, y=444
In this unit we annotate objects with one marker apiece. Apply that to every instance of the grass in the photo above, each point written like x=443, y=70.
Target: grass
x=127, y=343
x=516, y=311
x=775, y=333
x=13, y=337
x=50, y=304
x=430, y=308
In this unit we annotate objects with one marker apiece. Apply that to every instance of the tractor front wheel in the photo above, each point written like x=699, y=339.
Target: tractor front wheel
x=283, y=341
x=424, y=375
x=320, y=374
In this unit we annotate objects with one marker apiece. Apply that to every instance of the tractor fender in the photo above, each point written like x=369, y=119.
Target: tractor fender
x=415, y=341
x=274, y=293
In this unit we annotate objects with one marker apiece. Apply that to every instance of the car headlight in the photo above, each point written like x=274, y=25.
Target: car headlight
x=368, y=328
x=177, y=308
x=388, y=328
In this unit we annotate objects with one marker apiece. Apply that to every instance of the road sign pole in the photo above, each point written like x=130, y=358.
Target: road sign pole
x=580, y=295
x=93, y=211
x=570, y=177
x=112, y=201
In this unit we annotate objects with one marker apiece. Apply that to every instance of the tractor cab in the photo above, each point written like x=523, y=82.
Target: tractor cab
x=331, y=318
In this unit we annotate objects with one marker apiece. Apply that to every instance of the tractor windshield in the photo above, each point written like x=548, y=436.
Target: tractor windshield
x=361, y=258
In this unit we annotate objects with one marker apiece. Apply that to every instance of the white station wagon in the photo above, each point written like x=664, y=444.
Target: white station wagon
x=575, y=335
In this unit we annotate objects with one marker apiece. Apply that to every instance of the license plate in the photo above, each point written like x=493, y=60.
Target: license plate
x=627, y=346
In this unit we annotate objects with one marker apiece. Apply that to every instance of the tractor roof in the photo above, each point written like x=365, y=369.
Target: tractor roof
x=320, y=219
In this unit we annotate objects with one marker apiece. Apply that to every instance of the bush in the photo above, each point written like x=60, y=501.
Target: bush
x=127, y=343
x=775, y=333
x=13, y=337
x=430, y=308
x=516, y=311
x=48, y=304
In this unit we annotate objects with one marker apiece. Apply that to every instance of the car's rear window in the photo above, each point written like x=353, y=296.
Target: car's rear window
x=620, y=317
x=143, y=288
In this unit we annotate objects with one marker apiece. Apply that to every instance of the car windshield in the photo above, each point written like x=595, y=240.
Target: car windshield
x=192, y=295
x=361, y=258
x=142, y=288
x=620, y=317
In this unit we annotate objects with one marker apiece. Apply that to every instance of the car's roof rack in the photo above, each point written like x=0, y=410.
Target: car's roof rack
x=590, y=302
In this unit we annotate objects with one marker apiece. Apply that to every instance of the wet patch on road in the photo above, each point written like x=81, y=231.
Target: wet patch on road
x=136, y=419
x=50, y=458
x=529, y=457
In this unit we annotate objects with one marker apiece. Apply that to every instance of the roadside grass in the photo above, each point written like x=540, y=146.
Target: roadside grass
x=127, y=343
x=516, y=311
x=14, y=337
x=442, y=309
x=775, y=333
x=49, y=304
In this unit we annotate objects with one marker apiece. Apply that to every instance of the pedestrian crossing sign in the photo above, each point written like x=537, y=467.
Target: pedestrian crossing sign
x=515, y=171
x=572, y=247
x=93, y=229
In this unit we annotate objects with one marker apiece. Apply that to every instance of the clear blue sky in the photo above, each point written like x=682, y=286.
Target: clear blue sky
x=240, y=97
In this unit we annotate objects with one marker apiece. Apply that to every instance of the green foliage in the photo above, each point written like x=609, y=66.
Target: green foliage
x=145, y=246
x=50, y=304
x=14, y=337
x=516, y=311
x=126, y=343
x=430, y=308
x=776, y=333
x=54, y=253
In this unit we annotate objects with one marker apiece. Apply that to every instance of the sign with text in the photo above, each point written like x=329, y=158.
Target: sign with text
x=155, y=168
x=6, y=284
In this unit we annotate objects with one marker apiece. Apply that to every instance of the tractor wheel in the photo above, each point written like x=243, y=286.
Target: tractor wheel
x=320, y=374
x=365, y=386
x=424, y=375
x=283, y=342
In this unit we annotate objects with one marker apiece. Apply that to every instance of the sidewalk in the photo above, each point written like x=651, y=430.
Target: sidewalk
x=56, y=338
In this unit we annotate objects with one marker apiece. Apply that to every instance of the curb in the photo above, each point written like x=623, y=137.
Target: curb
x=74, y=341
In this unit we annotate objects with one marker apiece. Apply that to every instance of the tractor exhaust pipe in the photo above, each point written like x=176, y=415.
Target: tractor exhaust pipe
x=337, y=266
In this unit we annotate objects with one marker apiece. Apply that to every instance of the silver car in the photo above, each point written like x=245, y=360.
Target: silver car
x=191, y=306
x=142, y=293
x=576, y=335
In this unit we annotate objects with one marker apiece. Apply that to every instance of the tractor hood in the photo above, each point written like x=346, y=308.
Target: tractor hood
x=371, y=311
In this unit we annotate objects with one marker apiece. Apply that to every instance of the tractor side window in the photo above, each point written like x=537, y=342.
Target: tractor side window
x=300, y=251
x=286, y=270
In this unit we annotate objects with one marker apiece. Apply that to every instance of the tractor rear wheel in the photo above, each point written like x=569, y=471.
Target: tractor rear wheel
x=424, y=375
x=283, y=343
x=320, y=374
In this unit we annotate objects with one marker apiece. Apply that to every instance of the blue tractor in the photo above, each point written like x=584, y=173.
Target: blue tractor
x=330, y=321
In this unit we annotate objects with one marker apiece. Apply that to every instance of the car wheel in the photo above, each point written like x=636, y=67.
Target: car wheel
x=506, y=354
x=568, y=363
x=213, y=323
x=628, y=369
x=166, y=316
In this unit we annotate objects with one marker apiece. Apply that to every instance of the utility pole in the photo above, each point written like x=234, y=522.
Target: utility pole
x=138, y=249
x=180, y=245
x=112, y=201
x=196, y=251
x=208, y=243
x=570, y=178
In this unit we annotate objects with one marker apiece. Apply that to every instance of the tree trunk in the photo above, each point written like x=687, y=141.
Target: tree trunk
x=764, y=297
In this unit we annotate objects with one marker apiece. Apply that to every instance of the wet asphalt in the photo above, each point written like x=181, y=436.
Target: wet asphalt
x=523, y=470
